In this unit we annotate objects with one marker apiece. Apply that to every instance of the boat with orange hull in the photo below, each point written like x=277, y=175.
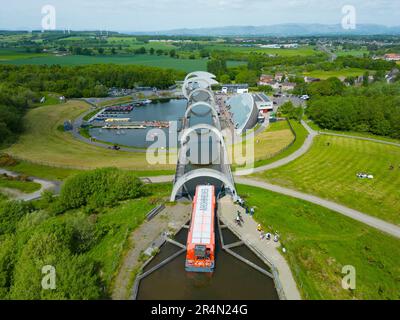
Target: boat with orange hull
x=200, y=254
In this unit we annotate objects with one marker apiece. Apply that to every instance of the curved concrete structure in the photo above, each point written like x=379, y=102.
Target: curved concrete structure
x=191, y=97
x=197, y=90
x=201, y=74
x=200, y=173
x=188, y=131
x=197, y=83
x=189, y=110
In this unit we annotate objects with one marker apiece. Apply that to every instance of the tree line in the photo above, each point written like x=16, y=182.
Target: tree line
x=22, y=86
x=373, y=109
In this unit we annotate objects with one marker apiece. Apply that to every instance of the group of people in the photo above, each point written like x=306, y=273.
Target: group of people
x=364, y=176
x=266, y=235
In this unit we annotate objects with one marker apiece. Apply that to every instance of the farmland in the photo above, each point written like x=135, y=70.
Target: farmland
x=187, y=65
x=344, y=73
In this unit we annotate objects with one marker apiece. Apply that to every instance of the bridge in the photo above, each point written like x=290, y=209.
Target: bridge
x=201, y=129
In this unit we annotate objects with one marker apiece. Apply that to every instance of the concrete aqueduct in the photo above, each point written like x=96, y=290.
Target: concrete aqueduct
x=199, y=128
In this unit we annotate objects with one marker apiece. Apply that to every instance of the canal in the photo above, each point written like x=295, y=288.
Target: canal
x=231, y=280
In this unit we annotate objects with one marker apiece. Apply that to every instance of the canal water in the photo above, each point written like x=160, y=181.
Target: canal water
x=231, y=280
x=173, y=110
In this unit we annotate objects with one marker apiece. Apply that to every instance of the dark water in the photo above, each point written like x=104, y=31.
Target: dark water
x=231, y=280
x=167, y=111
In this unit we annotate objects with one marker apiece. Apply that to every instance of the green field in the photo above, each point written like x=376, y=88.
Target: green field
x=319, y=242
x=349, y=72
x=354, y=53
x=187, y=65
x=329, y=171
x=9, y=55
x=302, y=51
x=43, y=144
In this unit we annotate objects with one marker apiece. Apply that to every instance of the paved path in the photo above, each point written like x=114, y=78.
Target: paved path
x=376, y=223
x=267, y=249
x=46, y=185
x=298, y=153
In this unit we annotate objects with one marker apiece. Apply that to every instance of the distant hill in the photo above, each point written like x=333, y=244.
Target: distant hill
x=289, y=29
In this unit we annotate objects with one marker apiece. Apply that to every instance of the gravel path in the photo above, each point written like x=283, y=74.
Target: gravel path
x=46, y=185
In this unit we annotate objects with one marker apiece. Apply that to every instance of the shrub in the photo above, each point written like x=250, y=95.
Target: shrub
x=99, y=188
x=6, y=160
x=7, y=248
x=76, y=276
x=10, y=213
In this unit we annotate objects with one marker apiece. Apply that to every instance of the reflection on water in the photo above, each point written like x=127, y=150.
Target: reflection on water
x=232, y=279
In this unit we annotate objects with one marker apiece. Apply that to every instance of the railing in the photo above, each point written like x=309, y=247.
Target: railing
x=155, y=211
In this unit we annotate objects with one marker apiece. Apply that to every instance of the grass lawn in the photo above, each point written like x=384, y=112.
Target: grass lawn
x=268, y=143
x=40, y=171
x=349, y=72
x=330, y=172
x=314, y=126
x=319, y=242
x=43, y=144
x=301, y=135
x=23, y=186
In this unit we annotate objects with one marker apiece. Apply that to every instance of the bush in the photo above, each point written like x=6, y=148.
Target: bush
x=7, y=247
x=7, y=161
x=99, y=188
x=76, y=276
x=10, y=213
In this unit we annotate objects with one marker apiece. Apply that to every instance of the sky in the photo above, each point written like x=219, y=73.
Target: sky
x=155, y=15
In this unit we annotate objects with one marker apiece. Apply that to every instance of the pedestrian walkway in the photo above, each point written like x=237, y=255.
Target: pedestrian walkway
x=268, y=249
x=293, y=156
x=45, y=185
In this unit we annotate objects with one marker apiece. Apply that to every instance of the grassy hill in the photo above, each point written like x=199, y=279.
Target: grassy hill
x=330, y=171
